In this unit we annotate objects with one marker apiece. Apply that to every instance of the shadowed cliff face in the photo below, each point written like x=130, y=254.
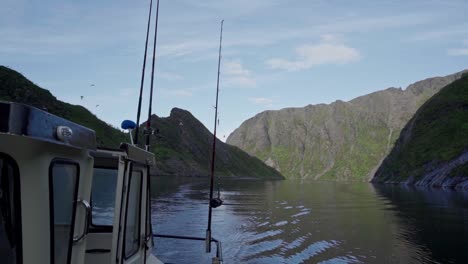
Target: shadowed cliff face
x=340, y=141
x=183, y=146
x=433, y=147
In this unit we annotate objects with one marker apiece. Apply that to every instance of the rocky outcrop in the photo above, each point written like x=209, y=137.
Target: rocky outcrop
x=432, y=149
x=183, y=146
x=339, y=141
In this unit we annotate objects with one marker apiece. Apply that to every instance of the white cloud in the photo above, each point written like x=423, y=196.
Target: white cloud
x=235, y=68
x=237, y=75
x=261, y=101
x=177, y=92
x=169, y=76
x=328, y=51
x=458, y=52
x=182, y=92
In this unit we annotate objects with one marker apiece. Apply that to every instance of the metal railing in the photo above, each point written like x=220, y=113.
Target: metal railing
x=219, y=250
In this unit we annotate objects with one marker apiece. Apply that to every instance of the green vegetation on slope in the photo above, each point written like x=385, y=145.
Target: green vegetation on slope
x=337, y=141
x=179, y=149
x=437, y=134
x=14, y=87
x=185, y=144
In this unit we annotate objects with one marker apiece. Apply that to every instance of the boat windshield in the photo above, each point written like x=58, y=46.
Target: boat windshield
x=103, y=196
x=10, y=232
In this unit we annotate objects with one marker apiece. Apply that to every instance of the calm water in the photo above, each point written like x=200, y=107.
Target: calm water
x=312, y=222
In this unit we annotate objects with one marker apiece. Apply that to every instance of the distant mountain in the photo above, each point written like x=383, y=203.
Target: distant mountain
x=182, y=146
x=432, y=149
x=339, y=141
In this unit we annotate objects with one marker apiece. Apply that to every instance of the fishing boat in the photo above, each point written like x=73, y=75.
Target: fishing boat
x=48, y=166
x=49, y=170
x=51, y=175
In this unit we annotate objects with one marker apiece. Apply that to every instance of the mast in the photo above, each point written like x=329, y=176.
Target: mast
x=143, y=75
x=148, y=123
x=212, y=202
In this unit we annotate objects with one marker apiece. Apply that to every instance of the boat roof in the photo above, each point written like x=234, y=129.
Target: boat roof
x=25, y=120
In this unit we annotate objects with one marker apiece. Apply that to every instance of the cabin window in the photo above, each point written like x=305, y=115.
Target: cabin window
x=63, y=182
x=103, y=197
x=10, y=212
x=132, y=218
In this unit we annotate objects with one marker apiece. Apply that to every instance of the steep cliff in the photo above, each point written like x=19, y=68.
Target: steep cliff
x=341, y=140
x=183, y=145
x=432, y=149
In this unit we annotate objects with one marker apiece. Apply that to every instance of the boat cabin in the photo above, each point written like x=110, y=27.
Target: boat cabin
x=63, y=200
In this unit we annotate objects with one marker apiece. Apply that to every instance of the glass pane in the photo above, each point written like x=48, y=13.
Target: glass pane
x=8, y=225
x=103, y=196
x=132, y=221
x=64, y=181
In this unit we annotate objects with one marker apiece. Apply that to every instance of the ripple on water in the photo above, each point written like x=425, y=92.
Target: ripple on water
x=301, y=213
x=281, y=223
x=311, y=251
x=341, y=260
x=263, y=236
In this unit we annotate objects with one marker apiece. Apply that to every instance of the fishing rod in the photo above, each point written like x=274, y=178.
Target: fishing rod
x=214, y=202
x=143, y=75
x=148, y=123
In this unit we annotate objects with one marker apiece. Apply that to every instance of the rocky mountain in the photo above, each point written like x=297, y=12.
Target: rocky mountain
x=432, y=149
x=182, y=146
x=339, y=141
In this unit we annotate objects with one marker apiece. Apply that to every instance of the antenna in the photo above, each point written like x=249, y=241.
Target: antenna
x=143, y=75
x=148, y=123
x=213, y=203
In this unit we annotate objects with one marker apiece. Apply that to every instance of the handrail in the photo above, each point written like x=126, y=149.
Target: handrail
x=87, y=208
x=219, y=251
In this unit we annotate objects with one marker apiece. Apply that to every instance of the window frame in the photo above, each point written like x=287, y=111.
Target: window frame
x=17, y=204
x=52, y=210
x=102, y=228
x=140, y=171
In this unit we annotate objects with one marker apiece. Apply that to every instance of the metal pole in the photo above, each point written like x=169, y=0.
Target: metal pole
x=148, y=123
x=208, y=230
x=143, y=75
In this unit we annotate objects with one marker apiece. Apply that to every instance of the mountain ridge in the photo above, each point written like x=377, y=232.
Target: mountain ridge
x=174, y=155
x=432, y=149
x=340, y=140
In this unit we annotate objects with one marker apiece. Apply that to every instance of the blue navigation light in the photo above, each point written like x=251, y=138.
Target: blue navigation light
x=128, y=124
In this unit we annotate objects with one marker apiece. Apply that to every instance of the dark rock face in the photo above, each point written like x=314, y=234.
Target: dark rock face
x=339, y=141
x=184, y=147
x=432, y=149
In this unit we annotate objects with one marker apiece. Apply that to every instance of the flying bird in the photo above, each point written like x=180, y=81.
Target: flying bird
x=97, y=105
x=92, y=84
x=82, y=97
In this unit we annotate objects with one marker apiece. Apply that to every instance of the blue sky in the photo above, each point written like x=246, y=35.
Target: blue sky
x=276, y=54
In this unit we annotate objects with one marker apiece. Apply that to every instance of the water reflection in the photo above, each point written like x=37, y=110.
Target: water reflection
x=438, y=217
x=311, y=222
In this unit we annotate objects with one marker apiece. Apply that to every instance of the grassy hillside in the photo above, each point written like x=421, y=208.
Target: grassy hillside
x=184, y=146
x=15, y=87
x=435, y=136
x=179, y=149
